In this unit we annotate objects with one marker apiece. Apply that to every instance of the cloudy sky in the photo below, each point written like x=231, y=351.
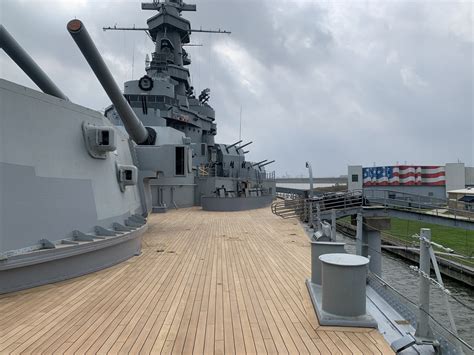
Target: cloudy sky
x=335, y=82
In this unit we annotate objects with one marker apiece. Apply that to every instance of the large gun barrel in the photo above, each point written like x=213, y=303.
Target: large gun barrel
x=28, y=65
x=260, y=162
x=267, y=163
x=136, y=130
x=243, y=146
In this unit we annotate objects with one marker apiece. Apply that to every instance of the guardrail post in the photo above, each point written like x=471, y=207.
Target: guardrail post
x=318, y=216
x=359, y=234
x=333, y=225
x=423, y=331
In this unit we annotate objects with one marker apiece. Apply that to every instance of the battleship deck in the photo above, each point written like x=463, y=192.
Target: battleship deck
x=206, y=282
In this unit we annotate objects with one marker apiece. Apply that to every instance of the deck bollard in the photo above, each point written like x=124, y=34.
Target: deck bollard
x=344, y=275
x=318, y=249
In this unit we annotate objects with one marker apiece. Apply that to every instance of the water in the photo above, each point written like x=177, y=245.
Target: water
x=397, y=273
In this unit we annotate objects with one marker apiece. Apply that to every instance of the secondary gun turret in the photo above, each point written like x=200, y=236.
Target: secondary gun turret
x=260, y=162
x=267, y=163
x=28, y=65
x=232, y=145
x=140, y=134
x=243, y=146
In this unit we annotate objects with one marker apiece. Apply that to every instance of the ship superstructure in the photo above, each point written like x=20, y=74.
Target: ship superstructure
x=216, y=176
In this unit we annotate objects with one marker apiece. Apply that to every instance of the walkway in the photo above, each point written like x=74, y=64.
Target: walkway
x=206, y=282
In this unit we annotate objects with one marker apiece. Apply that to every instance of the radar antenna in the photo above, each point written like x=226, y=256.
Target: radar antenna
x=115, y=28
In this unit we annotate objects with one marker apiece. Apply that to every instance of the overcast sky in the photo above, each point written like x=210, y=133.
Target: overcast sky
x=335, y=83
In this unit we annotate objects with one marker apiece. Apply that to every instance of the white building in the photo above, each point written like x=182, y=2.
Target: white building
x=433, y=181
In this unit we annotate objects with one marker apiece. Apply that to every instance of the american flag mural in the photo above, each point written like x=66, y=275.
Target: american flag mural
x=404, y=175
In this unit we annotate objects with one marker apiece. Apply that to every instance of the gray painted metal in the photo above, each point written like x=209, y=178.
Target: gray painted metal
x=244, y=145
x=423, y=330
x=233, y=145
x=310, y=172
x=374, y=242
x=54, y=191
x=333, y=225
x=267, y=163
x=344, y=274
x=359, y=235
x=211, y=203
x=134, y=127
x=328, y=319
x=169, y=101
x=318, y=249
x=53, y=265
x=28, y=65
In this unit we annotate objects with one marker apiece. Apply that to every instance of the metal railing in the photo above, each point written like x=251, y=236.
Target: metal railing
x=303, y=208
x=417, y=203
x=266, y=175
x=376, y=198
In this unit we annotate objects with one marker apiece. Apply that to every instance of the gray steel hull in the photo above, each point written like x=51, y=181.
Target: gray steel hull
x=53, y=265
x=211, y=203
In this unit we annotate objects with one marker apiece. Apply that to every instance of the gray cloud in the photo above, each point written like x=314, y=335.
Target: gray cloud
x=334, y=84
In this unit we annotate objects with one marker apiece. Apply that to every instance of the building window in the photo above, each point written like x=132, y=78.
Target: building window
x=203, y=149
x=179, y=161
x=355, y=178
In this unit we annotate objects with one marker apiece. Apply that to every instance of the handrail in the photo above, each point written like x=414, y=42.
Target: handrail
x=421, y=204
x=388, y=199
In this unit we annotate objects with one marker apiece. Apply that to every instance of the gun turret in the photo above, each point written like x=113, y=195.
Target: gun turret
x=260, y=162
x=232, y=145
x=243, y=146
x=28, y=65
x=260, y=166
x=140, y=134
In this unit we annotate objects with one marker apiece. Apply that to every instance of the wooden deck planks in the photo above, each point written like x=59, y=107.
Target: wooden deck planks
x=206, y=282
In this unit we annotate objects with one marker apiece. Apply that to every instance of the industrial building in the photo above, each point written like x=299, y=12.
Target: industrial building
x=462, y=199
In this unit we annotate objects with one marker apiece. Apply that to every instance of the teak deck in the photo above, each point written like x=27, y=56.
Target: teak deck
x=206, y=282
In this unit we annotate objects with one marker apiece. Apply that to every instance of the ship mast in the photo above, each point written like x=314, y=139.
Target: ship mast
x=170, y=32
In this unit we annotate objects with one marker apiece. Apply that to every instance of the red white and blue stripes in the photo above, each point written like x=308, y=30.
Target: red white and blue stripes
x=404, y=175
